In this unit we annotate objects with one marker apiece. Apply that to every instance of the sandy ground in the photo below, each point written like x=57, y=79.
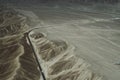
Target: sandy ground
x=95, y=36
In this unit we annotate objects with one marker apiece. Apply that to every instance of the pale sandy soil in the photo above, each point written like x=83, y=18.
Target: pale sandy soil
x=95, y=36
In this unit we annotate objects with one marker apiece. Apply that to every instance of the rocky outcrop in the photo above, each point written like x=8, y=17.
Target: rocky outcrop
x=16, y=57
x=17, y=61
x=58, y=60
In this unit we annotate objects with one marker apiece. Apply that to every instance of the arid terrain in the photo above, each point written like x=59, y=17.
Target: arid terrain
x=95, y=36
